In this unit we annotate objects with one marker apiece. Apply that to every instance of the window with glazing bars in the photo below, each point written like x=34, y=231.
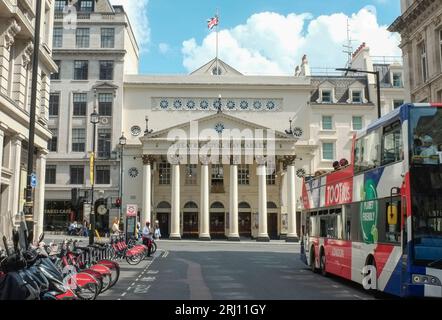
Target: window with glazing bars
x=105, y=104
x=53, y=142
x=80, y=104
x=86, y=5
x=78, y=139
x=164, y=172
x=243, y=174
x=82, y=37
x=106, y=70
x=107, y=37
x=104, y=143
x=57, y=38
x=81, y=69
x=102, y=175
x=51, y=174
x=76, y=174
x=54, y=104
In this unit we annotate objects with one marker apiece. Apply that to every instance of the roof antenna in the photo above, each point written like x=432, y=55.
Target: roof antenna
x=348, y=47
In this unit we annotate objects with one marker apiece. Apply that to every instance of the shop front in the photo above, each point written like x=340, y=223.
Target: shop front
x=58, y=215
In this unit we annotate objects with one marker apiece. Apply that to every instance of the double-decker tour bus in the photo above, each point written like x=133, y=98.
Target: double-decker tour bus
x=381, y=215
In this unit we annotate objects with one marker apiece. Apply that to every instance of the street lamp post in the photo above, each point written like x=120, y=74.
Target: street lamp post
x=378, y=83
x=29, y=205
x=122, y=142
x=94, y=120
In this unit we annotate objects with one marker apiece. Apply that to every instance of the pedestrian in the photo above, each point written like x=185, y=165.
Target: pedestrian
x=85, y=229
x=72, y=228
x=147, y=237
x=157, y=232
x=116, y=226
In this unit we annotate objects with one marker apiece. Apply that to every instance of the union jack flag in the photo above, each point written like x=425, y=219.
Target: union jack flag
x=212, y=22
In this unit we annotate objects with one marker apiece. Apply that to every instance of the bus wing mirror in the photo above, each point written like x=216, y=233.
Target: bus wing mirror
x=392, y=214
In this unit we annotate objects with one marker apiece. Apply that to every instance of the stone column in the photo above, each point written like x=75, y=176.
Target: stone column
x=204, y=230
x=262, y=177
x=40, y=194
x=292, y=235
x=3, y=221
x=233, y=216
x=147, y=185
x=175, y=223
x=16, y=166
x=8, y=30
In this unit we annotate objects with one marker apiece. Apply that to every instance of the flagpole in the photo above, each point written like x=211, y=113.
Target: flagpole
x=217, y=16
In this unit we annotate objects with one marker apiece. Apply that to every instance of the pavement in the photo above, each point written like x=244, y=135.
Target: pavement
x=221, y=270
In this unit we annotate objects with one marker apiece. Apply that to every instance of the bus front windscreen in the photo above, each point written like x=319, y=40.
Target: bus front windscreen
x=426, y=185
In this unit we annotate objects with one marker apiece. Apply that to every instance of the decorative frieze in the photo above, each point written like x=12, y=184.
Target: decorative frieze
x=214, y=104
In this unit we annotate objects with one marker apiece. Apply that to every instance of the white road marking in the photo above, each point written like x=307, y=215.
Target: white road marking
x=123, y=294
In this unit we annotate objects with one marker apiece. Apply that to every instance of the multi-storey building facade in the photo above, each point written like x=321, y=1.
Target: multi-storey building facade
x=342, y=104
x=231, y=199
x=420, y=26
x=93, y=54
x=17, y=22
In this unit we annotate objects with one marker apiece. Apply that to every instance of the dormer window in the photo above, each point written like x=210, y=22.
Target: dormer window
x=326, y=92
x=326, y=96
x=356, y=96
x=397, y=79
x=356, y=93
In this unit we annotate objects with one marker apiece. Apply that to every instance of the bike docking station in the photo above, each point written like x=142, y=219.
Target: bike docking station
x=131, y=221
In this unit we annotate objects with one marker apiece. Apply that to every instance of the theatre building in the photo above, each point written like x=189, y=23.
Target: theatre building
x=234, y=198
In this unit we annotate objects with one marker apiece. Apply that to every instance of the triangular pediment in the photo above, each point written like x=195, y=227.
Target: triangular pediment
x=217, y=121
x=105, y=86
x=210, y=67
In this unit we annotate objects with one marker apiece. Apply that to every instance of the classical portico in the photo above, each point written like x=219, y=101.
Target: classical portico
x=213, y=187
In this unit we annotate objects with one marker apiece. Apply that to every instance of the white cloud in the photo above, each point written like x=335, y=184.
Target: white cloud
x=163, y=48
x=137, y=13
x=270, y=43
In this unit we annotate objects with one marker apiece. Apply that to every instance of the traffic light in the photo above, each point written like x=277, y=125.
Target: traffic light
x=118, y=203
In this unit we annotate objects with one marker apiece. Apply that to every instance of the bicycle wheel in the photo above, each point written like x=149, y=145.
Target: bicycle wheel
x=88, y=291
x=154, y=248
x=134, y=260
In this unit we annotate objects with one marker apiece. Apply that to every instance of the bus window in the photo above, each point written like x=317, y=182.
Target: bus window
x=392, y=144
x=368, y=151
x=323, y=227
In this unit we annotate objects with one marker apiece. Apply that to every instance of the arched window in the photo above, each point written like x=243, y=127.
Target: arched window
x=217, y=205
x=243, y=205
x=190, y=205
x=271, y=205
x=164, y=205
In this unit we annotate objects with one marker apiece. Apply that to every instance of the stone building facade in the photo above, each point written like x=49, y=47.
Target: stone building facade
x=420, y=27
x=17, y=21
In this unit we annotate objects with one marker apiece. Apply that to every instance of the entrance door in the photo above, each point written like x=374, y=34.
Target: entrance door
x=190, y=225
x=217, y=225
x=163, y=220
x=272, y=225
x=245, y=224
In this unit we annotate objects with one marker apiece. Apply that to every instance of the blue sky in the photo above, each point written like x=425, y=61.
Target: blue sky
x=174, y=37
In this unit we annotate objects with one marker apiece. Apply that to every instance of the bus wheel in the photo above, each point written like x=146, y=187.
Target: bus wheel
x=312, y=260
x=322, y=264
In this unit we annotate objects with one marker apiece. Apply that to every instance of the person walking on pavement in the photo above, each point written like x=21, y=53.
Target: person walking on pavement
x=157, y=232
x=85, y=229
x=147, y=237
x=116, y=227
